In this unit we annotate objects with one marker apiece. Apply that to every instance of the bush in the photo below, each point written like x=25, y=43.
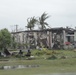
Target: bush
x=63, y=57
x=41, y=52
x=52, y=57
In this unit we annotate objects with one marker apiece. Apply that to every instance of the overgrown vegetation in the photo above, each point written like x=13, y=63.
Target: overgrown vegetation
x=55, y=61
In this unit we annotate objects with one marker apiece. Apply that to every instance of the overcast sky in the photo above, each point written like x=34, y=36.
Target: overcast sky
x=62, y=12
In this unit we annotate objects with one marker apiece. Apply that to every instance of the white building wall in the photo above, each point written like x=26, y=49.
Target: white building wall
x=49, y=39
x=64, y=36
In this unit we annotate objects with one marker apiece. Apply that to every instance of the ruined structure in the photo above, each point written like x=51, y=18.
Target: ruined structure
x=54, y=38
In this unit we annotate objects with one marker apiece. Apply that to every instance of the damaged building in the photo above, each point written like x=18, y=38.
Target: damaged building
x=54, y=38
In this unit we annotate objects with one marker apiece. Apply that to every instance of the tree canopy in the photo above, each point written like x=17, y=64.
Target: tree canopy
x=5, y=38
x=42, y=19
x=31, y=23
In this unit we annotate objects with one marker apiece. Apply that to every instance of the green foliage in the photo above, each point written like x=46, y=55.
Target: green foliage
x=42, y=20
x=52, y=57
x=31, y=22
x=38, y=52
x=14, y=44
x=5, y=38
x=44, y=51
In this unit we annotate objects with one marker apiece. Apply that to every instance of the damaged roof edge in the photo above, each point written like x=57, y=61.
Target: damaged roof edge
x=51, y=29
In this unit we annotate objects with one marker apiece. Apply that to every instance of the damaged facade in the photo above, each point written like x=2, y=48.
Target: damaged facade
x=54, y=38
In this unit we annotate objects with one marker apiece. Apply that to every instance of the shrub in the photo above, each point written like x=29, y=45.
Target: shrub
x=52, y=57
x=63, y=57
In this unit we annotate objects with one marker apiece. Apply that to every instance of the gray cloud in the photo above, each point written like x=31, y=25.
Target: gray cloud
x=63, y=12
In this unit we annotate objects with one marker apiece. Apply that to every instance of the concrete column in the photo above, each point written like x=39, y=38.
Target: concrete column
x=49, y=39
x=64, y=36
x=74, y=35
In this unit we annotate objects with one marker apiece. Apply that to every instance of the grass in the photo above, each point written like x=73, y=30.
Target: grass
x=46, y=66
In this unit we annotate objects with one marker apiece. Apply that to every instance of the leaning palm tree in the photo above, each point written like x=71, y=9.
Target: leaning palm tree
x=42, y=23
x=42, y=20
x=31, y=23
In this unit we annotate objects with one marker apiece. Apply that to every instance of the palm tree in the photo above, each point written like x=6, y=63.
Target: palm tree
x=31, y=23
x=42, y=20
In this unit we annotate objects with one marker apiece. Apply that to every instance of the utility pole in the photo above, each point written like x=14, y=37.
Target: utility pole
x=16, y=28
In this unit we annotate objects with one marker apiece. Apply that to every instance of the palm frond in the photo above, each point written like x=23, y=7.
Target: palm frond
x=31, y=22
x=46, y=23
x=42, y=20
